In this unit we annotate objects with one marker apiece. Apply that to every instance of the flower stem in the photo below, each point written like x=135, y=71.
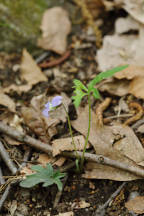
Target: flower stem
x=73, y=142
x=88, y=133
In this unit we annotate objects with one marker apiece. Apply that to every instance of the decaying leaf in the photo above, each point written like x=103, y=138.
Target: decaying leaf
x=7, y=101
x=80, y=205
x=135, y=9
x=117, y=142
x=141, y=129
x=44, y=159
x=65, y=144
x=55, y=28
x=35, y=122
x=124, y=49
x=66, y=214
x=136, y=205
x=99, y=171
x=30, y=71
x=115, y=87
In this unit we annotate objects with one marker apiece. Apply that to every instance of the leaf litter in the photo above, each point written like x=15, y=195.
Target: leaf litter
x=116, y=141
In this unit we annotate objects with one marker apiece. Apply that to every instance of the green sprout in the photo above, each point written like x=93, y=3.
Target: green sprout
x=46, y=175
x=80, y=90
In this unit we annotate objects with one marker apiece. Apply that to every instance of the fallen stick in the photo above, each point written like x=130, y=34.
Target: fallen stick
x=2, y=181
x=136, y=170
x=101, y=210
x=4, y=196
x=7, y=160
x=56, y=61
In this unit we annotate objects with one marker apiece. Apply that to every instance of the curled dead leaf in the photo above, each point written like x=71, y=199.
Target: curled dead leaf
x=65, y=144
x=55, y=28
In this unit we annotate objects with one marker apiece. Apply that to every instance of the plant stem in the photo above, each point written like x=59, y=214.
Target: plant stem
x=88, y=132
x=70, y=129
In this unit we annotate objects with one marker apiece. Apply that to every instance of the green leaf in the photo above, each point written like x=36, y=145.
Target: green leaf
x=46, y=175
x=104, y=75
x=96, y=93
x=80, y=91
x=59, y=184
x=79, y=84
x=79, y=94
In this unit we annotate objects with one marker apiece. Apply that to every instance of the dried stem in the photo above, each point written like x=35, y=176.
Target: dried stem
x=2, y=181
x=137, y=116
x=137, y=170
x=6, y=159
x=57, y=61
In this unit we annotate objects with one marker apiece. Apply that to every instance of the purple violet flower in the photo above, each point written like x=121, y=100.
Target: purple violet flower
x=56, y=101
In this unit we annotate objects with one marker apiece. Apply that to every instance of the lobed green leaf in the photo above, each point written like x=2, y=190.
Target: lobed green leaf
x=46, y=175
x=104, y=75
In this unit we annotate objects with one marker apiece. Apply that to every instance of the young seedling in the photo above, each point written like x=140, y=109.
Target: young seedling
x=80, y=90
x=46, y=175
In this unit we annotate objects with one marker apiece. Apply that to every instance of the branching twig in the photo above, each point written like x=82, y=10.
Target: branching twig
x=2, y=181
x=57, y=61
x=7, y=160
x=24, y=138
x=136, y=170
x=101, y=209
x=7, y=190
x=4, y=196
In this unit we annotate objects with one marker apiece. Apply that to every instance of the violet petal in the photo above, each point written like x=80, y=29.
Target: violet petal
x=56, y=101
x=45, y=112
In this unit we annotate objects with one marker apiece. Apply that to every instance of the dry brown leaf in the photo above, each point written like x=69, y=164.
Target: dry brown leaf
x=115, y=87
x=60, y=161
x=123, y=48
x=66, y=214
x=11, y=141
x=80, y=205
x=55, y=28
x=136, y=205
x=65, y=144
x=35, y=122
x=99, y=171
x=7, y=101
x=103, y=139
x=44, y=159
x=30, y=71
x=18, y=89
x=141, y=129
x=135, y=9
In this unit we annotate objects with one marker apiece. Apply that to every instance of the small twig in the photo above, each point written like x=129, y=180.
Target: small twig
x=42, y=57
x=7, y=190
x=2, y=181
x=59, y=193
x=25, y=138
x=6, y=159
x=57, y=61
x=137, y=124
x=4, y=196
x=25, y=158
x=101, y=209
x=67, y=167
x=139, y=114
x=100, y=109
x=136, y=170
x=118, y=116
